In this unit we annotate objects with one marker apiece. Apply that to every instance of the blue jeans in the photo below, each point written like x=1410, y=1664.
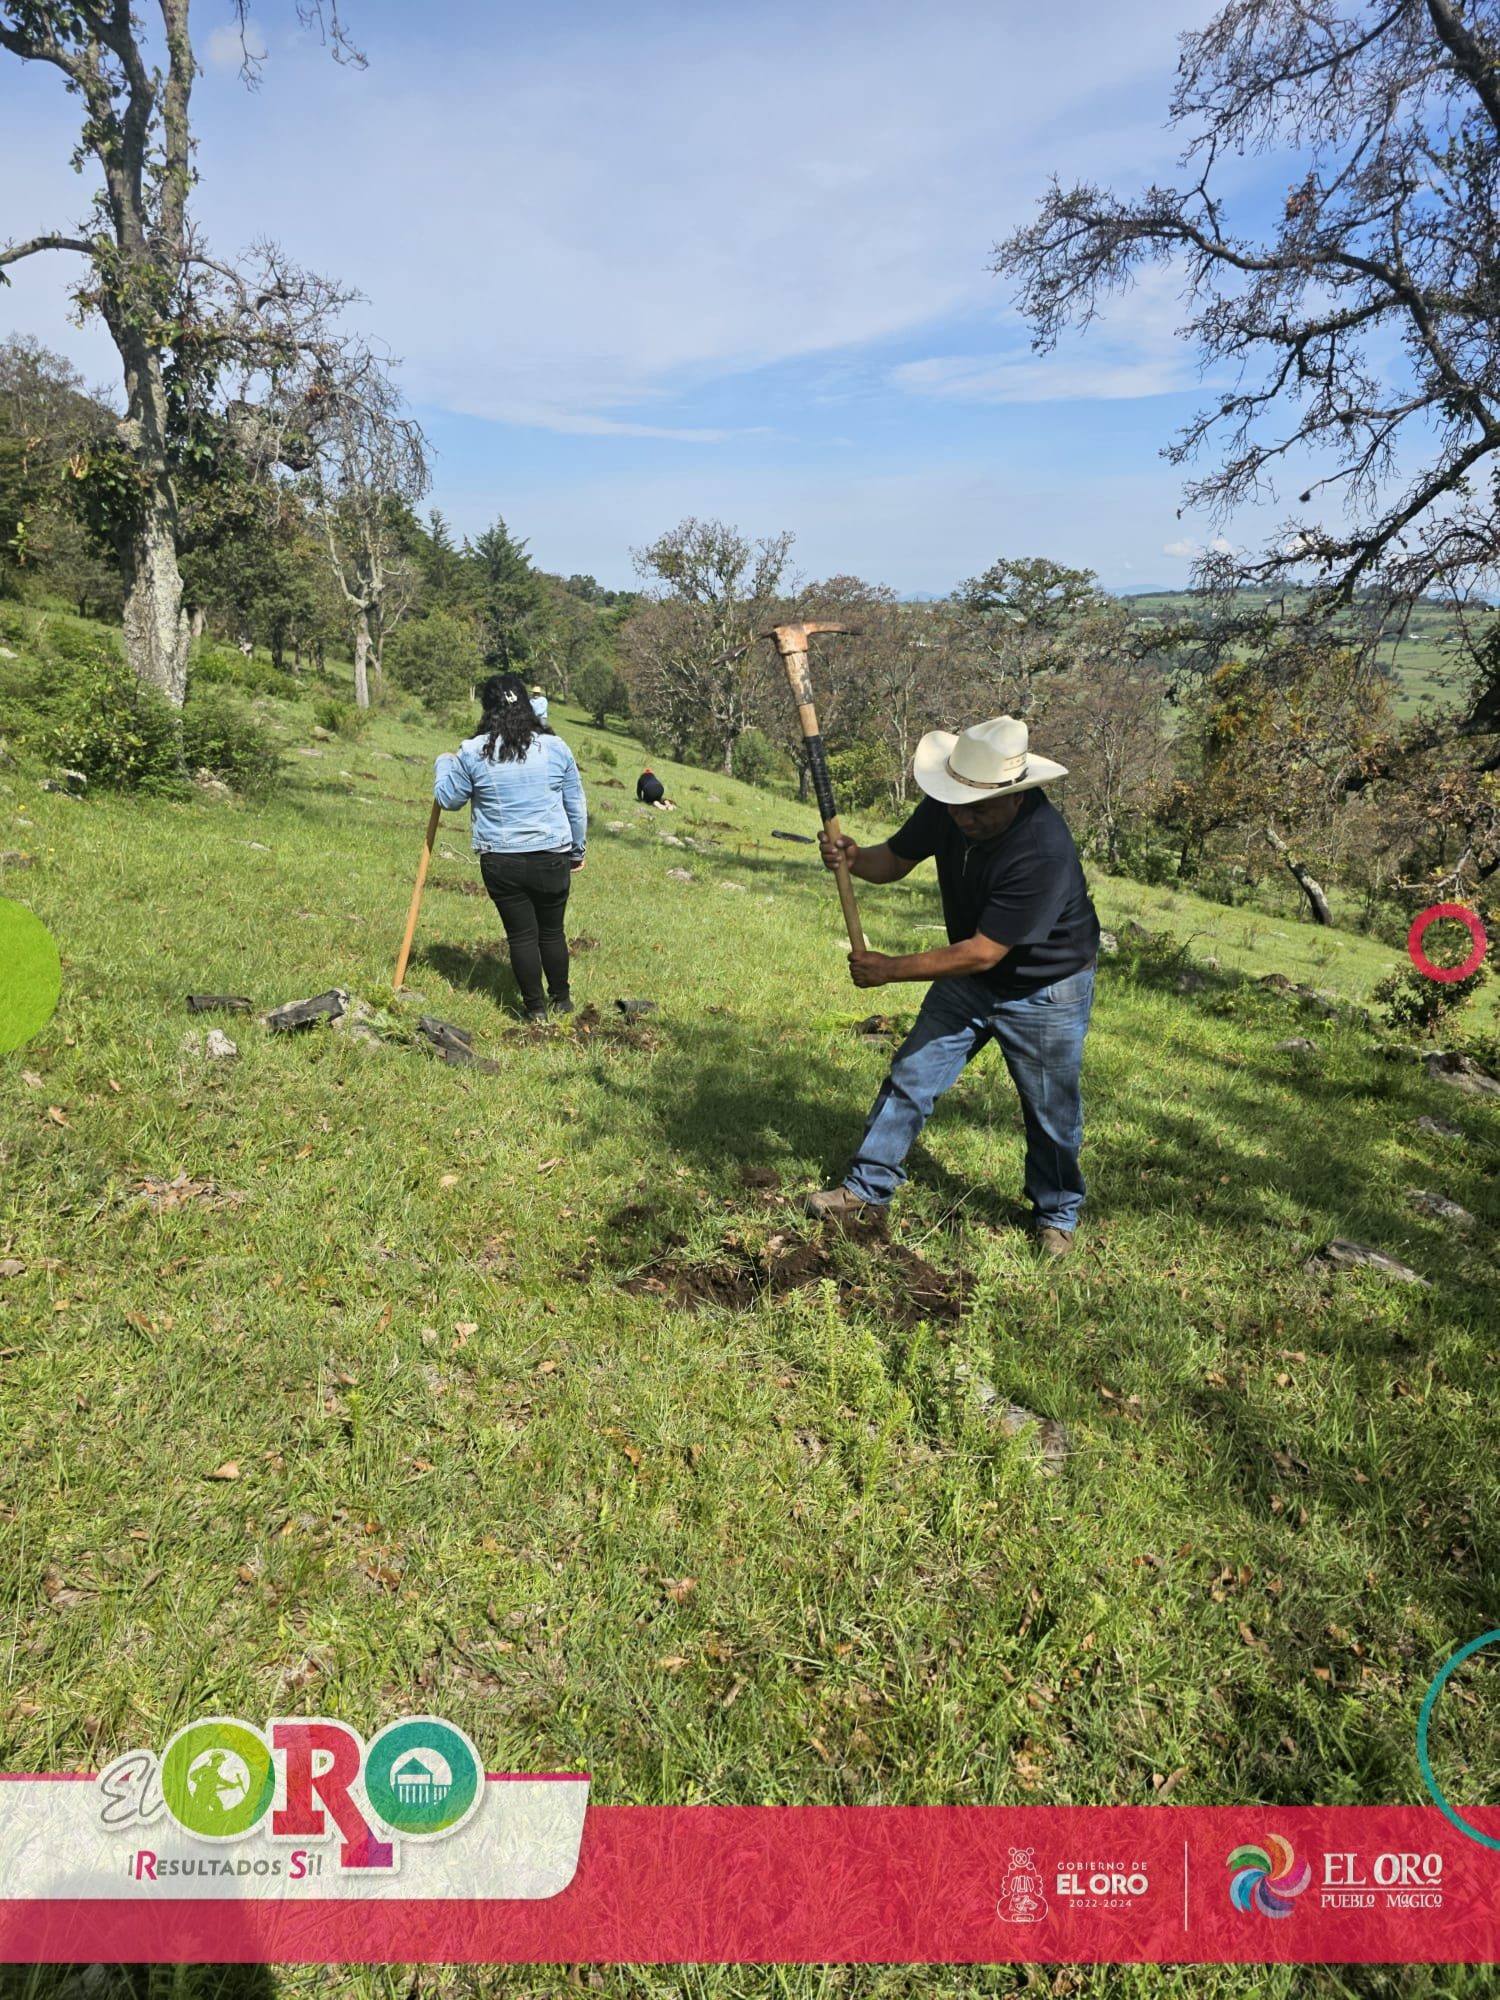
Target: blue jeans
x=1041, y=1038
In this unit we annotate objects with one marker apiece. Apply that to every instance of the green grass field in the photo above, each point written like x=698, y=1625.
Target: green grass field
x=397, y=1401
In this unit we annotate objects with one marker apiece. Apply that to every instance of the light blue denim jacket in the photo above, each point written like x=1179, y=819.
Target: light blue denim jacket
x=534, y=805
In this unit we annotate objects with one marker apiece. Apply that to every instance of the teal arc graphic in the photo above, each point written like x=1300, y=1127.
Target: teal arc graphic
x=1439, y=1796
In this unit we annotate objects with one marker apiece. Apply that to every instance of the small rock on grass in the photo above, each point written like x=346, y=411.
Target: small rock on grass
x=1052, y=1439
x=1109, y=944
x=1464, y=1074
x=1295, y=1043
x=302, y=1013
x=218, y=1047
x=1342, y=1254
x=1427, y=1202
x=1440, y=1128
x=679, y=874
x=13, y=857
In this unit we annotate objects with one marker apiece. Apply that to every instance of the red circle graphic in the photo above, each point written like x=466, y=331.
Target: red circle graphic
x=1446, y=973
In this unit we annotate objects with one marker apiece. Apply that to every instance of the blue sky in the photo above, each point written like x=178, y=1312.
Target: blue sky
x=641, y=261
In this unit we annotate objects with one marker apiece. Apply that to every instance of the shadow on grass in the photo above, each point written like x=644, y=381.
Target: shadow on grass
x=481, y=969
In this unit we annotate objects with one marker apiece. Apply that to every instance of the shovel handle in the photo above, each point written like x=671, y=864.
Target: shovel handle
x=416, y=895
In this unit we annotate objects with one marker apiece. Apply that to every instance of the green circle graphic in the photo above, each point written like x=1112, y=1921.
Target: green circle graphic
x=217, y=1778
x=406, y=1789
x=30, y=975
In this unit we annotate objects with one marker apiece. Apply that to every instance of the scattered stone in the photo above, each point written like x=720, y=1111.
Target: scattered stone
x=583, y=942
x=1137, y=931
x=631, y=1008
x=1438, y=1206
x=190, y=1045
x=218, y=1047
x=259, y=846
x=443, y=1034
x=218, y=1003
x=211, y=785
x=303, y=751
x=679, y=874
x=1109, y=944
x=13, y=857
x=320, y=734
x=738, y=887
x=1190, y=982
x=1343, y=1255
x=71, y=783
x=1211, y=964
x=1298, y=1043
x=614, y=826
x=1277, y=981
x=671, y=840
x=1440, y=1128
x=1051, y=1438
x=302, y=1013
x=1464, y=1074
x=7, y=654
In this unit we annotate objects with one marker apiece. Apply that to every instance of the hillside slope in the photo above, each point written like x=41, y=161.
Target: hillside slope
x=342, y=1379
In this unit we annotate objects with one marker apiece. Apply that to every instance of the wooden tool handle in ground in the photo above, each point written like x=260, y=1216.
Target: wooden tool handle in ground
x=416, y=895
x=791, y=643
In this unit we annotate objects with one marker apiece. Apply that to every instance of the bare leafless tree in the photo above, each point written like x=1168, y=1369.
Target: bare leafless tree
x=368, y=468
x=693, y=654
x=1387, y=245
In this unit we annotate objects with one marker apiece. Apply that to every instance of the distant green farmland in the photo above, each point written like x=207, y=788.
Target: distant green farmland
x=1426, y=663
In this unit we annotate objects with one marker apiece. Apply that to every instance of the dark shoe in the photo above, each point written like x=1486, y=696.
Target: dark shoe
x=838, y=1204
x=535, y=1017
x=1053, y=1242
x=562, y=1006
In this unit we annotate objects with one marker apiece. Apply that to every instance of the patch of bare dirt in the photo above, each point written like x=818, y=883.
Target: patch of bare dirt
x=902, y=1287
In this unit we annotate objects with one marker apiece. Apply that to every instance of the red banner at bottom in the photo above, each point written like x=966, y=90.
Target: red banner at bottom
x=877, y=1884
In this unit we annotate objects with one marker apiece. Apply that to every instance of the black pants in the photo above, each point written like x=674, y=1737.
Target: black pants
x=531, y=893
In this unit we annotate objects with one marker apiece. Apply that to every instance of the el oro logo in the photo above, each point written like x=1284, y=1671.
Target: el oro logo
x=302, y=1779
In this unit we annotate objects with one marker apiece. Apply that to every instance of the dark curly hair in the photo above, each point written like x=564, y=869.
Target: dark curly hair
x=508, y=720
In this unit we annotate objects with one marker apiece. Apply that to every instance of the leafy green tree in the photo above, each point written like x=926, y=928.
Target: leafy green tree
x=512, y=598
x=599, y=687
x=184, y=324
x=436, y=658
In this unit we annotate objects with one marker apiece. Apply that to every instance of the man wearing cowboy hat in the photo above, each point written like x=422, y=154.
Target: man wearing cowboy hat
x=1018, y=970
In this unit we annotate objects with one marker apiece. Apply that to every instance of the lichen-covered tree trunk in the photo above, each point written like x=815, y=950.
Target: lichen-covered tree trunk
x=157, y=629
x=362, y=657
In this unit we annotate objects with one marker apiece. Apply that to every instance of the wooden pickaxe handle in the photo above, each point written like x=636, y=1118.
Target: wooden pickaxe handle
x=791, y=643
x=416, y=895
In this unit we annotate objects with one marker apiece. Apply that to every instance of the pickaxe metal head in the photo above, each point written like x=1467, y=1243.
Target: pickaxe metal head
x=793, y=638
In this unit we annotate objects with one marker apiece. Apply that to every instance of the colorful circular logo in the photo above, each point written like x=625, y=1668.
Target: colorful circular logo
x=217, y=1778
x=422, y=1777
x=30, y=975
x=1424, y=1759
x=1267, y=1875
x=1446, y=973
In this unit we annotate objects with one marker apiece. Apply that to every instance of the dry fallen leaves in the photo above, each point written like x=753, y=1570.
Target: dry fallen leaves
x=12, y=1267
x=230, y=1469
x=58, y=1116
x=681, y=1589
x=448, y=1180
x=163, y=1195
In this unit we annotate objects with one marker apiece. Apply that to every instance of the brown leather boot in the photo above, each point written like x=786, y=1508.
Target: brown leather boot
x=1054, y=1242
x=838, y=1204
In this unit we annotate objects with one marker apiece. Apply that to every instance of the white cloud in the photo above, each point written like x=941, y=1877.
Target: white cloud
x=1189, y=549
x=561, y=228
x=225, y=49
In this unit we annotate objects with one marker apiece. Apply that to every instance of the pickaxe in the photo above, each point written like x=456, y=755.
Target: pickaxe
x=791, y=643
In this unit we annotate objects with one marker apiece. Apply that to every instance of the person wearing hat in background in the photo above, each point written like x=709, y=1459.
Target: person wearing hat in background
x=539, y=706
x=1018, y=969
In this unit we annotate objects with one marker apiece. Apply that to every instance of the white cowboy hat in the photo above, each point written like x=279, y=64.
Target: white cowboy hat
x=981, y=763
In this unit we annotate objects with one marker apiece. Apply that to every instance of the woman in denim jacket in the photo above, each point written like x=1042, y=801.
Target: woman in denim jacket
x=530, y=824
